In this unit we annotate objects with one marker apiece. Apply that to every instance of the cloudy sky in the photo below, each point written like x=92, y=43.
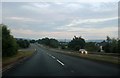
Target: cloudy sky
x=61, y=20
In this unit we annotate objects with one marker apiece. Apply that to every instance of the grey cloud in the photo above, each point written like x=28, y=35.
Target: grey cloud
x=51, y=16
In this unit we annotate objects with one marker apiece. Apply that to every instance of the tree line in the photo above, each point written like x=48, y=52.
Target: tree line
x=110, y=45
x=10, y=45
x=49, y=42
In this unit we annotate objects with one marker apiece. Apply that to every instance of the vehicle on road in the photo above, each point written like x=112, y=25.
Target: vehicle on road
x=83, y=51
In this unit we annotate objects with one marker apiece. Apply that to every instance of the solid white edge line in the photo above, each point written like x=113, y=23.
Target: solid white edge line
x=60, y=62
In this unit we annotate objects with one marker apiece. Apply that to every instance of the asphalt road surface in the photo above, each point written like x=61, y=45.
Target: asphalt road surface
x=48, y=63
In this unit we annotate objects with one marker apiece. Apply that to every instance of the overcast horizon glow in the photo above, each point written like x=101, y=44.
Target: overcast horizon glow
x=61, y=20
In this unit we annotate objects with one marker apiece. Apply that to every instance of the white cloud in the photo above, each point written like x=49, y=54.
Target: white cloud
x=41, y=5
x=74, y=6
x=24, y=19
x=61, y=20
x=96, y=33
x=28, y=33
x=69, y=33
x=86, y=1
x=83, y=21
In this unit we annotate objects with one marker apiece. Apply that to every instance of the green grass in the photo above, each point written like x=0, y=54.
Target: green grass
x=104, y=58
x=21, y=54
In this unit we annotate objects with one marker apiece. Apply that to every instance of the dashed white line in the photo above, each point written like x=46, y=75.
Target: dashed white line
x=60, y=62
x=56, y=59
x=48, y=54
x=53, y=57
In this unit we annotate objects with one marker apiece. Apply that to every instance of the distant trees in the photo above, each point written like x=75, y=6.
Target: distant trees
x=49, y=42
x=9, y=45
x=77, y=43
x=33, y=41
x=23, y=43
x=91, y=46
x=111, y=45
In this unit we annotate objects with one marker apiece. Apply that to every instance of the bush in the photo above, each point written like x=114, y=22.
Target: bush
x=23, y=43
x=112, y=45
x=49, y=42
x=9, y=45
x=90, y=46
x=77, y=43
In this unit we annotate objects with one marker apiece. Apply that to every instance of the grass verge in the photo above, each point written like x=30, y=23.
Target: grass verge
x=95, y=57
x=20, y=55
x=102, y=58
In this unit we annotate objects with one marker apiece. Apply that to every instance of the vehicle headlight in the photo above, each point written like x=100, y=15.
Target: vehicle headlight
x=85, y=52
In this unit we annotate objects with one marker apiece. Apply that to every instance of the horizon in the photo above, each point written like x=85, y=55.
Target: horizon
x=56, y=38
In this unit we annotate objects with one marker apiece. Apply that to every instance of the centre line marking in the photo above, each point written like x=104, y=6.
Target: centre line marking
x=60, y=62
x=53, y=57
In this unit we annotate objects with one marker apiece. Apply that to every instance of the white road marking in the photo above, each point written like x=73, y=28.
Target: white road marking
x=60, y=62
x=57, y=59
x=50, y=55
x=53, y=57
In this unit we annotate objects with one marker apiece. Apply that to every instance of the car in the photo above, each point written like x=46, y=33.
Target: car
x=83, y=51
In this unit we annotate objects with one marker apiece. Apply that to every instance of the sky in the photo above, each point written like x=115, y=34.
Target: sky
x=61, y=20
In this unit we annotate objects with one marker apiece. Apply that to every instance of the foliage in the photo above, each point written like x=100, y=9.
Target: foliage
x=23, y=43
x=54, y=43
x=64, y=45
x=49, y=42
x=118, y=46
x=9, y=45
x=91, y=46
x=77, y=43
x=112, y=45
x=32, y=41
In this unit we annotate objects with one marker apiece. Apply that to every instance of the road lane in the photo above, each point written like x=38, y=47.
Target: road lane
x=39, y=65
x=48, y=63
x=83, y=67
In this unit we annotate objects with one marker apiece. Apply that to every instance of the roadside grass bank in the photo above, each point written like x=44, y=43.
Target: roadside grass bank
x=22, y=54
x=100, y=58
x=96, y=57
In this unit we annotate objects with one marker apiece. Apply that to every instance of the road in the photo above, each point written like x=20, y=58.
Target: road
x=48, y=63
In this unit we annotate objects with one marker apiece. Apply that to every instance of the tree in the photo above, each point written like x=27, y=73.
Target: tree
x=118, y=46
x=32, y=41
x=45, y=41
x=49, y=42
x=9, y=45
x=23, y=43
x=111, y=46
x=114, y=45
x=0, y=40
x=77, y=43
x=91, y=46
x=54, y=43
